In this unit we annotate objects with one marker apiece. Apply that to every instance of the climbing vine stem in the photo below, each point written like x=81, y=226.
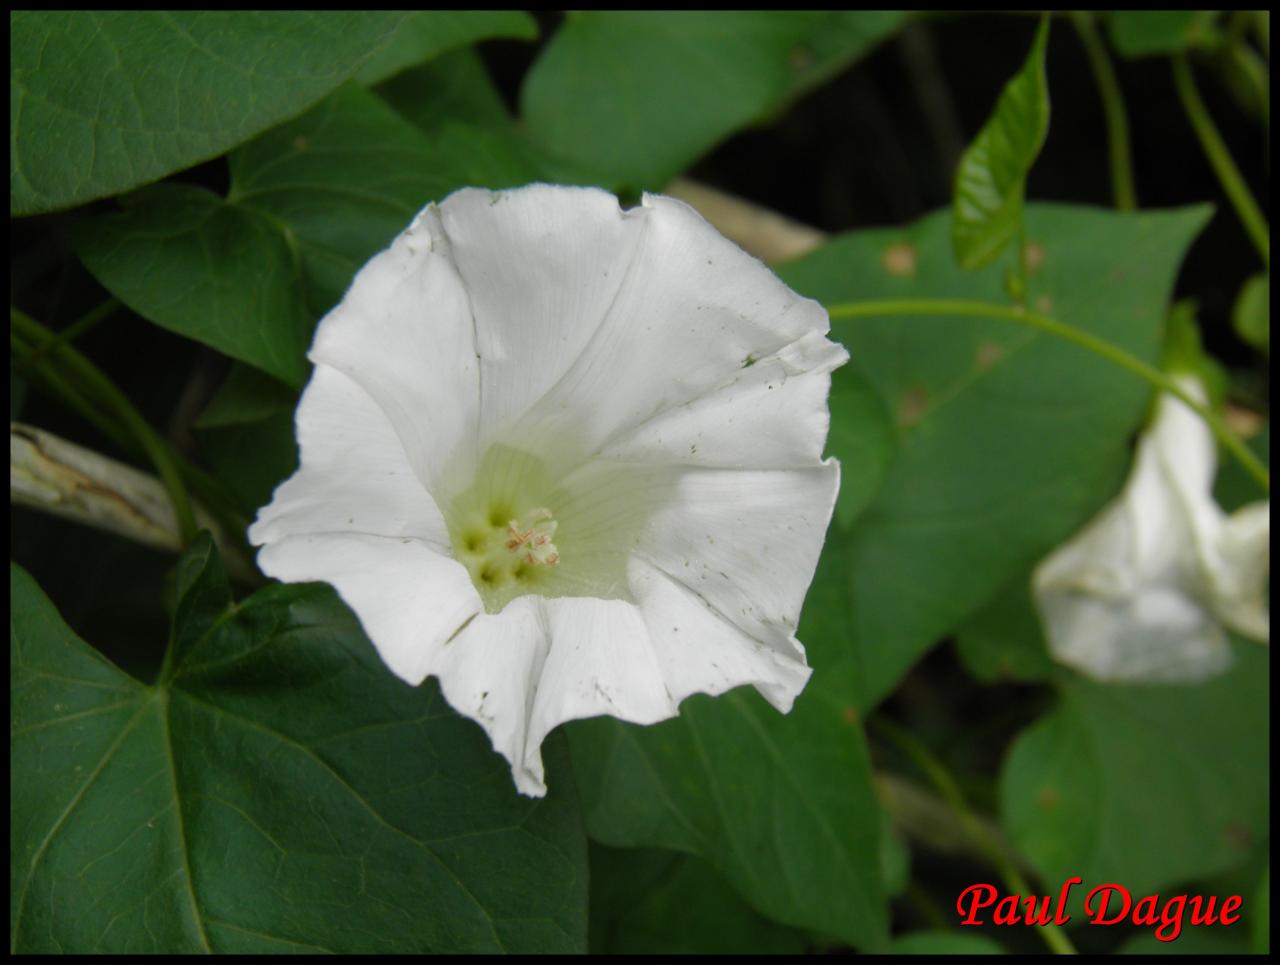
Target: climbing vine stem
x=1085, y=340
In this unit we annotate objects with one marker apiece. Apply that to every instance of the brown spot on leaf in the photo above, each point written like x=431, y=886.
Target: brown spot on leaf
x=1238, y=837
x=1047, y=798
x=900, y=259
x=1033, y=256
x=1044, y=304
x=914, y=404
x=989, y=353
x=850, y=714
x=800, y=57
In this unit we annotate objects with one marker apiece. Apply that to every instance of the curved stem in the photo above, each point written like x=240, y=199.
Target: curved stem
x=1220, y=158
x=941, y=779
x=72, y=332
x=1104, y=76
x=1069, y=333
x=102, y=390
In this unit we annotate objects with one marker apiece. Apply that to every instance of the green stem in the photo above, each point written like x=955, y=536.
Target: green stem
x=1122, y=190
x=72, y=332
x=1220, y=158
x=1069, y=333
x=994, y=850
x=86, y=376
x=48, y=376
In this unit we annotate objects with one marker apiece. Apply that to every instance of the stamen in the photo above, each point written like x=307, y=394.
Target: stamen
x=530, y=540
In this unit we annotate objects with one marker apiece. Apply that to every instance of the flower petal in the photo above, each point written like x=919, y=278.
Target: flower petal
x=746, y=542
x=1157, y=634
x=1239, y=583
x=354, y=475
x=490, y=672
x=404, y=334
x=542, y=265
x=1140, y=592
x=699, y=652
x=771, y=415
x=410, y=599
x=540, y=662
x=691, y=310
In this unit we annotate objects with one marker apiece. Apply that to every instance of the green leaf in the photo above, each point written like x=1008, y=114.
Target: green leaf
x=652, y=902
x=1143, y=33
x=1234, y=487
x=222, y=274
x=279, y=790
x=105, y=101
x=1261, y=937
x=781, y=806
x=246, y=395
x=666, y=86
x=1009, y=440
x=863, y=439
x=1004, y=641
x=991, y=177
x=1184, y=351
x=1209, y=942
x=1252, y=313
x=943, y=943
x=1150, y=786
x=250, y=413
x=250, y=274
x=425, y=33
x=455, y=87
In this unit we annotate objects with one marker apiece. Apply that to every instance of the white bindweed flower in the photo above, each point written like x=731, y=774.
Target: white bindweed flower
x=567, y=459
x=1143, y=592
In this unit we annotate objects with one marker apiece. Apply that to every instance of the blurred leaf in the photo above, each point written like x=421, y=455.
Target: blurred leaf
x=637, y=96
x=895, y=858
x=1210, y=942
x=781, y=806
x=943, y=943
x=250, y=274
x=104, y=101
x=1008, y=440
x=991, y=177
x=454, y=97
x=1143, y=33
x=1184, y=351
x=1150, y=786
x=862, y=437
x=1003, y=641
x=279, y=791
x=251, y=458
x=425, y=33
x=246, y=395
x=1261, y=931
x=454, y=87
x=650, y=902
x=250, y=413
x=1252, y=313
x=1234, y=487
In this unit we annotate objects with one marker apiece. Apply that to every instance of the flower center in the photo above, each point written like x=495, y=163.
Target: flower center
x=502, y=530
x=530, y=539
x=523, y=522
x=508, y=559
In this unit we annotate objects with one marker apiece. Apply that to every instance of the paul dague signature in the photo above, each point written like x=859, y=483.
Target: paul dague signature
x=1167, y=917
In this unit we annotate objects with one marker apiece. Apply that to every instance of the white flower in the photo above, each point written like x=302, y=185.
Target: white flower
x=1142, y=593
x=566, y=458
